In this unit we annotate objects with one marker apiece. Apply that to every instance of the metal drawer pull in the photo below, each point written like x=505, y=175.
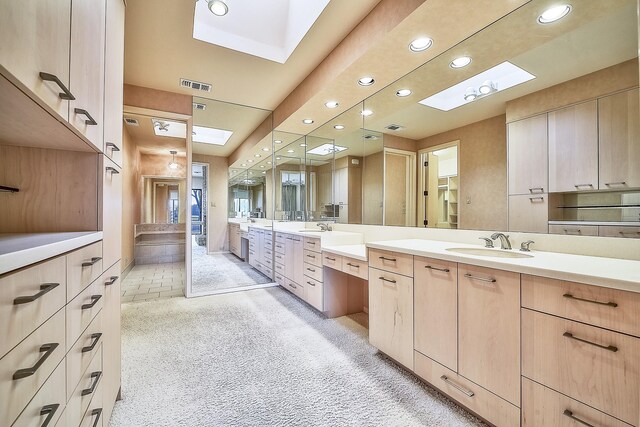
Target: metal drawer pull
x=329, y=258
x=49, y=411
x=568, y=231
x=611, y=348
x=630, y=233
x=311, y=283
x=608, y=304
x=446, y=270
x=387, y=259
x=533, y=199
x=311, y=256
x=583, y=185
x=291, y=285
x=111, y=280
x=482, y=279
x=95, y=377
x=387, y=280
x=312, y=243
x=47, y=287
x=93, y=261
x=609, y=184
x=65, y=94
x=94, y=301
x=96, y=413
x=90, y=120
x=568, y=413
x=111, y=169
x=114, y=147
x=48, y=350
x=311, y=270
x=456, y=386
x=538, y=189
x=353, y=265
x=94, y=341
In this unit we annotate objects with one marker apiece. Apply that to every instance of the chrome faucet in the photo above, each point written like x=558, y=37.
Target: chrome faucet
x=524, y=246
x=488, y=243
x=504, y=240
x=324, y=226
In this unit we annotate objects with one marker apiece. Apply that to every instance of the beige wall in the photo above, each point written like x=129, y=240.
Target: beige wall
x=372, y=184
x=131, y=196
x=217, y=185
x=483, y=172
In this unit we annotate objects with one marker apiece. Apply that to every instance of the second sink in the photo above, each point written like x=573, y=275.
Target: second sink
x=494, y=253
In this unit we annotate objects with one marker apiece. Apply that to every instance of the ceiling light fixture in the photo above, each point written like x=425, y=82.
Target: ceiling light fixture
x=268, y=163
x=366, y=113
x=162, y=126
x=338, y=127
x=257, y=155
x=250, y=161
x=218, y=7
x=303, y=145
x=277, y=141
x=403, y=92
x=307, y=121
x=244, y=165
x=331, y=104
x=366, y=81
x=420, y=44
x=470, y=95
x=554, y=13
x=290, y=151
x=262, y=166
x=172, y=164
x=265, y=149
x=460, y=62
x=487, y=87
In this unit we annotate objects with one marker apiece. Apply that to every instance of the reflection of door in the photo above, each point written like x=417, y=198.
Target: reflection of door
x=439, y=185
x=399, y=187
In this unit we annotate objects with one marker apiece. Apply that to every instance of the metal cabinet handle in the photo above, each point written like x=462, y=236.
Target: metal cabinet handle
x=583, y=185
x=94, y=301
x=65, y=94
x=94, y=341
x=93, y=261
x=96, y=413
x=568, y=231
x=446, y=270
x=482, y=279
x=311, y=270
x=49, y=411
x=533, y=199
x=311, y=256
x=386, y=280
x=312, y=243
x=113, y=146
x=629, y=233
x=90, y=120
x=329, y=258
x=387, y=259
x=611, y=348
x=111, y=280
x=568, y=413
x=353, y=265
x=536, y=189
x=608, y=304
x=95, y=377
x=48, y=350
x=47, y=287
x=456, y=386
x=609, y=184
x=111, y=169
x=311, y=283
x=291, y=285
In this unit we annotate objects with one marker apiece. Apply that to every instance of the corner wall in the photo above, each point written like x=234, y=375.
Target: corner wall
x=131, y=197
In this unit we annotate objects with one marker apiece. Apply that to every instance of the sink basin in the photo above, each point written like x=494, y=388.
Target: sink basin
x=493, y=253
x=310, y=231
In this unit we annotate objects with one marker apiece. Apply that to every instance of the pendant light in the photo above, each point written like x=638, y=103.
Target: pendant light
x=172, y=164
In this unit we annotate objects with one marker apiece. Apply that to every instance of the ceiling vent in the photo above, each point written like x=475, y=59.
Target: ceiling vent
x=199, y=106
x=190, y=84
x=371, y=137
x=131, y=122
x=394, y=127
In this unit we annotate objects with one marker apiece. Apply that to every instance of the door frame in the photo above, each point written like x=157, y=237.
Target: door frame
x=410, y=210
x=424, y=173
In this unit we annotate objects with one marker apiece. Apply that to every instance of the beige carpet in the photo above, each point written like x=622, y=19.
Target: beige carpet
x=263, y=358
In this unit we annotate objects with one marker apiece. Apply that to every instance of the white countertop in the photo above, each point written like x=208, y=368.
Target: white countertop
x=606, y=272
x=19, y=250
x=605, y=223
x=327, y=238
x=358, y=252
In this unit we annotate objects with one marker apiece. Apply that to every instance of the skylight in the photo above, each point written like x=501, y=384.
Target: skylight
x=504, y=76
x=213, y=136
x=169, y=128
x=325, y=149
x=268, y=29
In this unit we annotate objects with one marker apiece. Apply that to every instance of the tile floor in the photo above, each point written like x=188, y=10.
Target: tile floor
x=153, y=281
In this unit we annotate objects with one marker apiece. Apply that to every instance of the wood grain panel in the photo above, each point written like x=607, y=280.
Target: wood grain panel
x=114, y=79
x=528, y=159
x=529, y=213
x=393, y=262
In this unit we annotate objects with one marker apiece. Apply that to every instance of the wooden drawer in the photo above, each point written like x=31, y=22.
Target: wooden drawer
x=314, y=293
x=19, y=316
x=604, y=307
x=598, y=367
x=279, y=268
x=295, y=288
x=497, y=411
x=542, y=406
x=268, y=235
x=312, y=244
x=94, y=415
x=279, y=247
x=49, y=400
x=313, y=258
x=626, y=232
x=355, y=268
x=82, y=352
x=268, y=262
x=83, y=267
x=574, y=230
x=391, y=261
x=85, y=391
x=45, y=344
x=268, y=253
x=267, y=272
x=280, y=280
x=281, y=238
x=312, y=271
x=332, y=261
x=82, y=310
x=279, y=258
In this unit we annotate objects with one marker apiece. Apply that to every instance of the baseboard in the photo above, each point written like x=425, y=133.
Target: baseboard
x=127, y=270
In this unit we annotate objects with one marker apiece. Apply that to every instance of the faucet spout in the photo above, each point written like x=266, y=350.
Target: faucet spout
x=504, y=240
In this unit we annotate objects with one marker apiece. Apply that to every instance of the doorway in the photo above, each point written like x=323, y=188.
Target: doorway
x=199, y=183
x=399, y=188
x=440, y=185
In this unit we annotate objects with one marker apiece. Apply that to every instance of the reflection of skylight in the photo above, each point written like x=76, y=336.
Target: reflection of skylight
x=504, y=75
x=325, y=149
x=163, y=127
x=213, y=136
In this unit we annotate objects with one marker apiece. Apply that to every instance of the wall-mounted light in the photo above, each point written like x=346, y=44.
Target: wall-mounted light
x=218, y=7
x=172, y=164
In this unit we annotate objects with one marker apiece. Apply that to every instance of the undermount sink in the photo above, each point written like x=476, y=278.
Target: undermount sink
x=310, y=231
x=494, y=253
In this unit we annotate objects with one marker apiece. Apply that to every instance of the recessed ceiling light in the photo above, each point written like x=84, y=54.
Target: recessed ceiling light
x=250, y=161
x=218, y=7
x=277, y=141
x=418, y=45
x=289, y=151
x=307, y=121
x=470, y=94
x=303, y=145
x=403, y=92
x=268, y=163
x=366, y=81
x=460, y=62
x=554, y=13
x=487, y=87
x=262, y=166
x=278, y=158
x=264, y=171
x=366, y=113
x=257, y=155
x=243, y=165
x=331, y=104
x=265, y=149
x=338, y=127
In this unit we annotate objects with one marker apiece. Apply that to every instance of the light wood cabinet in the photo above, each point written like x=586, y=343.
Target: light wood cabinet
x=573, y=230
x=235, y=240
x=489, y=329
x=391, y=261
x=529, y=213
x=112, y=346
x=573, y=148
x=619, y=139
x=623, y=232
x=83, y=351
x=114, y=80
x=528, y=156
x=436, y=311
x=111, y=207
x=85, y=391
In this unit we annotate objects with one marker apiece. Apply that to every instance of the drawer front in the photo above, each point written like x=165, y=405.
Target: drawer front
x=95, y=416
x=281, y=238
x=279, y=258
x=28, y=298
x=604, y=307
x=85, y=391
x=267, y=272
x=355, y=268
x=111, y=216
x=268, y=253
x=279, y=269
x=312, y=244
x=49, y=400
x=391, y=261
x=626, y=232
x=313, y=258
x=313, y=272
x=332, y=261
x=268, y=236
x=314, y=293
x=279, y=247
x=597, y=367
x=82, y=310
x=83, y=267
x=574, y=230
x=295, y=288
x=268, y=262
x=542, y=406
x=280, y=280
x=82, y=352
x=497, y=411
x=46, y=345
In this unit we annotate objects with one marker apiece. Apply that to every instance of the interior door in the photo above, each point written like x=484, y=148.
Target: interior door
x=395, y=203
x=432, y=197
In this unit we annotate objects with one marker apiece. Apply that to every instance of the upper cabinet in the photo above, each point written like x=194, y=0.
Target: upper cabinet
x=619, y=132
x=573, y=148
x=114, y=80
x=527, y=151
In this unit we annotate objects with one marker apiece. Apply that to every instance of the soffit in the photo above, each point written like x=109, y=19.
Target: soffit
x=146, y=139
